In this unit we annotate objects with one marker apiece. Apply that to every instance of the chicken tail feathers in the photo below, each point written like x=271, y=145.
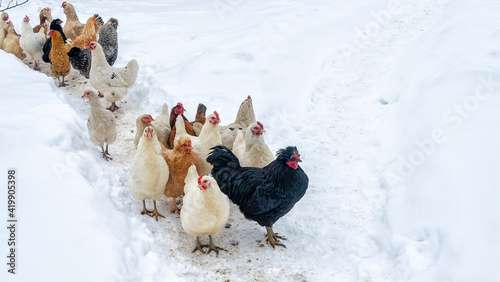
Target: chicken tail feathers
x=165, y=111
x=200, y=114
x=46, y=50
x=98, y=20
x=190, y=180
x=130, y=72
x=75, y=51
x=222, y=160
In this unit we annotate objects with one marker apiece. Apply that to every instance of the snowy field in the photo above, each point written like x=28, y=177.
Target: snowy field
x=392, y=105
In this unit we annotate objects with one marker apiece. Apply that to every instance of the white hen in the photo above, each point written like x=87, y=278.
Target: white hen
x=209, y=137
x=149, y=173
x=252, y=150
x=205, y=209
x=141, y=123
x=101, y=124
x=161, y=126
x=32, y=43
x=111, y=82
x=244, y=118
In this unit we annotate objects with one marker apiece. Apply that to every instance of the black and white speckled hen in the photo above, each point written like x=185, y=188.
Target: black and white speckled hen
x=262, y=194
x=108, y=38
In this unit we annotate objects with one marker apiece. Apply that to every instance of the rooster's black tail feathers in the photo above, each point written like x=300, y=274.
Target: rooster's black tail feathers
x=221, y=157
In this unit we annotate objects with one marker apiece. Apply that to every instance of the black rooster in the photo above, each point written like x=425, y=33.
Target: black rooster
x=55, y=25
x=81, y=59
x=263, y=194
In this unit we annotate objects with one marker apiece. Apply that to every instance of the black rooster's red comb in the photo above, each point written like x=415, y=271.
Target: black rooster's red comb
x=295, y=156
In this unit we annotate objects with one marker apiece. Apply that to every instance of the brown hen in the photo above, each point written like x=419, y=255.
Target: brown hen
x=179, y=160
x=45, y=17
x=88, y=34
x=10, y=43
x=191, y=127
x=59, y=59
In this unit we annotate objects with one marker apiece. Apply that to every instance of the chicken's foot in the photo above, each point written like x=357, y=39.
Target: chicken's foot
x=155, y=212
x=105, y=154
x=212, y=247
x=61, y=83
x=198, y=246
x=175, y=209
x=273, y=238
x=113, y=107
x=144, y=210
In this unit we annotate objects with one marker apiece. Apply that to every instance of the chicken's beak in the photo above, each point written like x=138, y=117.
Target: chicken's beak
x=262, y=130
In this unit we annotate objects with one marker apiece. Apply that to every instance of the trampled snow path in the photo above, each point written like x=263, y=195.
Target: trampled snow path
x=335, y=231
x=347, y=103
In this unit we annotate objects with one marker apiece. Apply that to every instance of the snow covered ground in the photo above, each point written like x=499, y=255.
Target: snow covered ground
x=390, y=103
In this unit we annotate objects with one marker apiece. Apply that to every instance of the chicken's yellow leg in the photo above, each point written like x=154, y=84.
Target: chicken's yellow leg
x=144, y=210
x=175, y=209
x=155, y=212
x=198, y=246
x=213, y=247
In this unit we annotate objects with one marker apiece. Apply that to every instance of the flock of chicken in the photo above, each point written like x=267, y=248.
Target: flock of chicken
x=74, y=45
x=174, y=157
x=205, y=163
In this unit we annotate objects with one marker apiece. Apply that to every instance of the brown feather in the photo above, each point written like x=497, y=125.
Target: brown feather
x=45, y=16
x=88, y=34
x=10, y=43
x=73, y=27
x=187, y=124
x=59, y=59
x=178, y=162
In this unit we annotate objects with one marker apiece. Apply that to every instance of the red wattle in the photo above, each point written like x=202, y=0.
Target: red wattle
x=292, y=164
